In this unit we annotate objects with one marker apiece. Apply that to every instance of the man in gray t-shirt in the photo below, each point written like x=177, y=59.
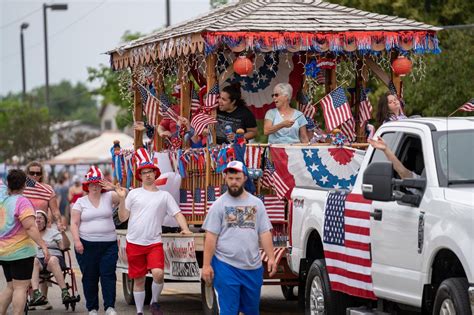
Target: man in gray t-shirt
x=235, y=225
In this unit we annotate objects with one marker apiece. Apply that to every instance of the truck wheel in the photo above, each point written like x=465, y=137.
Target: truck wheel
x=289, y=292
x=128, y=289
x=452, y=297
x=127, y=284
x=319, y=297
x=208, y=298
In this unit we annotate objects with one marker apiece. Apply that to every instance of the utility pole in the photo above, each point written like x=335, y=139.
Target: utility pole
x=23, y=26
x=168, y=13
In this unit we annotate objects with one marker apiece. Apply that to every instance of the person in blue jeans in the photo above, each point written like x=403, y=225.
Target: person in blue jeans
x=235, y=224
x=95, y=241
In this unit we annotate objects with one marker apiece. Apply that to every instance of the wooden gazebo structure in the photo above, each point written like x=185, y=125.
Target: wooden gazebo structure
x=311, y=27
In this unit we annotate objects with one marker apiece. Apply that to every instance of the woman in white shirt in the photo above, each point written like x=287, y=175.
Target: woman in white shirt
x=284, y=124
x=95, y=241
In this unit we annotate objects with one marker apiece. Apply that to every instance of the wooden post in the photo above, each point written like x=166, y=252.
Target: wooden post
x=330, y=82
x=137, y=116
x=360, y=84
x=159, y=88
x=185, y=95
x=211, y=78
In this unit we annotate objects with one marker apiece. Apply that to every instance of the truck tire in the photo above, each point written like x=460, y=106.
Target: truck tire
x=452, y=297
x=208, y=299
x=127, y=284
x=319, y=297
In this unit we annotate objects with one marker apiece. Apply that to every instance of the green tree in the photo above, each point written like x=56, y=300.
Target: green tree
x=113, y=88
x=217, y=3
x=24, y=131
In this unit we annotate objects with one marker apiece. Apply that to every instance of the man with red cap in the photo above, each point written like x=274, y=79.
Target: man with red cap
x=235, y=226
x=146, y=207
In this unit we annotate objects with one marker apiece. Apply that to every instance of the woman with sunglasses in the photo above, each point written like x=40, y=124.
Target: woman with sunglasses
x=284, y=124
x=42, y=195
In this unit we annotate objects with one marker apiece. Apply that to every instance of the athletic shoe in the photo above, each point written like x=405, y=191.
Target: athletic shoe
x=110, y=311
x=155, y=309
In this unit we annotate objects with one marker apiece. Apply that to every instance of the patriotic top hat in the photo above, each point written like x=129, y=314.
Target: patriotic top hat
x=94, y=175
x=144, y=161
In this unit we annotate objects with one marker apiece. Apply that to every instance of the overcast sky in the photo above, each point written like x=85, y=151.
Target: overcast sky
x=77, y=37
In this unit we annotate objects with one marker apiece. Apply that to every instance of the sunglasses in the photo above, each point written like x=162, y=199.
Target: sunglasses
x=275, y=95
x=35, y=173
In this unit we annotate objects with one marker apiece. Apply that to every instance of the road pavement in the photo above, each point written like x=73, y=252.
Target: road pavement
x=177, y=298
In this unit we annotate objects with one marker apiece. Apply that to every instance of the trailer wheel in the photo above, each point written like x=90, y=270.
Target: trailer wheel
x=319, y=297
x=289, y=292
x=127, y=284
x=208, y=298
x=452, y=297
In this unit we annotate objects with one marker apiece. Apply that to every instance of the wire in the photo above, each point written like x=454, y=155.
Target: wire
x=58, y=32
x=19, y=19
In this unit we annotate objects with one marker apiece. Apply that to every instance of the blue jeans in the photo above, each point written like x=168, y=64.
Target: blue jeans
x=98, y=262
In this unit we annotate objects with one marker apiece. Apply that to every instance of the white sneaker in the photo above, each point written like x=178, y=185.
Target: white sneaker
x=93, y=312
x=110, y=311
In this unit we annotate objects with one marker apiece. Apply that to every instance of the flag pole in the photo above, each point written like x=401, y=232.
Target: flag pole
x=454, y=112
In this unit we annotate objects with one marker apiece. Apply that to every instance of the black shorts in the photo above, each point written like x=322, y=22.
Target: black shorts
x=20, y=269
x=62, y=263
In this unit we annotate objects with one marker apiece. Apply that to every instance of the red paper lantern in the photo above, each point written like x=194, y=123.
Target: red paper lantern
x=401, y=66
x=243, y=66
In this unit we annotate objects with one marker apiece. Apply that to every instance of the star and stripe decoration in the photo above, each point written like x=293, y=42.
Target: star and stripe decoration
x=365, y=108
x=337, y=112
x=468, y=106
x=346, y=244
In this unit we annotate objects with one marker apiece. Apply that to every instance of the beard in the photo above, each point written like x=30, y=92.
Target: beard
x=236, y=191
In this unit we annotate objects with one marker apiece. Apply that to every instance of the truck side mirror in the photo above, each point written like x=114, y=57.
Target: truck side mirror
x=377, y=181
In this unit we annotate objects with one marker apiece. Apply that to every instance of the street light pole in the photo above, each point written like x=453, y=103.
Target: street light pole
x=23, y=26
x=54, y=7
x=168, y=18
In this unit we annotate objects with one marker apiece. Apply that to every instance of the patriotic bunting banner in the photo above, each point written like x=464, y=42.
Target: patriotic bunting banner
x=327, y=167
x=346, y=244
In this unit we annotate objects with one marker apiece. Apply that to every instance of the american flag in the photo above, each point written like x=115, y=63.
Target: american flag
x=150, y=105
x=308, y=110
x=348, y=129
x=346, y=243
x=199, y=201
x=336, y=108
x=275, y=207
x=36, y=190
x=212, y=194
x=271, y=179
x=212, y=99
x=468, y=107
x=166, y=111
x=186, y=202
x=202, y=121
x=253, y=156
x=365, y=108
x=195, y=103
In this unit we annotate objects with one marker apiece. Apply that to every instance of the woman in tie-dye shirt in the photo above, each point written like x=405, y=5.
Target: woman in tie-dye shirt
x=18, y=235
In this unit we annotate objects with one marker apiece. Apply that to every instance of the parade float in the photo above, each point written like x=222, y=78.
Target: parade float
x=325, y=51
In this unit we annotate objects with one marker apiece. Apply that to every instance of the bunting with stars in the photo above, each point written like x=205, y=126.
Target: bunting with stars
x=327, y=167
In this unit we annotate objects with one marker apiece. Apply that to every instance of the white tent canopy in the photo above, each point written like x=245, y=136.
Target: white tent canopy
x=94, y=151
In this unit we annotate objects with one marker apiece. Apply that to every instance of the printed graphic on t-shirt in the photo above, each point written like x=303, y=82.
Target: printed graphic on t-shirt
x=243, y=217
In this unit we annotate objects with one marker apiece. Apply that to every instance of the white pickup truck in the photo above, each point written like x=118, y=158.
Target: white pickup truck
x=421, y=250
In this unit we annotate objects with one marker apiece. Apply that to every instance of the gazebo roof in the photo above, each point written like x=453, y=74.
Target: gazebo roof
x=238, y=19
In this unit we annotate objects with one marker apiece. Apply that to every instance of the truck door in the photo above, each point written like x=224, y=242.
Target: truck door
x=396, y=262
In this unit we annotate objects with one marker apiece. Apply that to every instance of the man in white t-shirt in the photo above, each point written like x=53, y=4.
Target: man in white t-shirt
x=146, y=208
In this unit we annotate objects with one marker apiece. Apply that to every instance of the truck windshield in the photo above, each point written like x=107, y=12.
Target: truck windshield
x=454, y=152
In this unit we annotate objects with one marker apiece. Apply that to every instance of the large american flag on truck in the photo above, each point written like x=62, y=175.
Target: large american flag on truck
x=346, y=243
